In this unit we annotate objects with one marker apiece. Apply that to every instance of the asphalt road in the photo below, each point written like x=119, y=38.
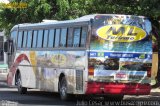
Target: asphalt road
x=10, y=97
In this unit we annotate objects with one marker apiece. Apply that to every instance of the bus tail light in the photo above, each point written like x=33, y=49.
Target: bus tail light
x=148, y=72
x=91, y=70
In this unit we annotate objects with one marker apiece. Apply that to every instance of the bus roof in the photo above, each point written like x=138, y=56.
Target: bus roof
x=81, y=19
x=85, y=18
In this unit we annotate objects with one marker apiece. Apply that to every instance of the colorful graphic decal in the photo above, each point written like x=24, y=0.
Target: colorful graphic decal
x=73, y=59
x=120, y=55
x=45, y=62
x=120, y=47
x=61, y=59
x=33, y=60
x=121, y=33
x=13, y=69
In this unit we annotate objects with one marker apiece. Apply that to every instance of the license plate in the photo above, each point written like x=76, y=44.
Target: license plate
x=120, y=76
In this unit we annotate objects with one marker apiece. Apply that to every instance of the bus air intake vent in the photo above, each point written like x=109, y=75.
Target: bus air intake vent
x=79, y=80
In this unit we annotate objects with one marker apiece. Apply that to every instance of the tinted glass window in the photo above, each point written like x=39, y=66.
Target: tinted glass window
x=83, y=37
x=20, y=39
x=24, y=38
x=70, y=38
x=63, y=37
x=76, y=35
x=40, y=38
x=51, y=38
x=14, y=36
x=57, y=37
x=45, y=40
x=29, y=39
x=34, y=39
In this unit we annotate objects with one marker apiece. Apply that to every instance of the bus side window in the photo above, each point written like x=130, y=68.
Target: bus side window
x=20, y=36
x=29, y=39
x=14, y=36
x=57, y=38
x=63, y=37
x=70, y=38
x=83, y=37
x=51, y=38
x=76, y=40
x=45, y=38
x=24, y=39
x=34, y=41
x=40, y=38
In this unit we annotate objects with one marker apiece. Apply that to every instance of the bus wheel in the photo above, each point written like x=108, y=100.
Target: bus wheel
x=21, y=90
x=63, y=89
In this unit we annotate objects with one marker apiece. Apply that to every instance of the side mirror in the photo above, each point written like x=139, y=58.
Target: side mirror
x=6, y=46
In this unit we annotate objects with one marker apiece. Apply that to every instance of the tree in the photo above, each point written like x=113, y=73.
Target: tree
x=35, y=12
x=38, y=10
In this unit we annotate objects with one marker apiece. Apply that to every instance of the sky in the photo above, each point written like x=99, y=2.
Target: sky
x=4, y=1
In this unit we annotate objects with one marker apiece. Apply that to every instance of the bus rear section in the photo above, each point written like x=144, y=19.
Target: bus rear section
x=120, y=55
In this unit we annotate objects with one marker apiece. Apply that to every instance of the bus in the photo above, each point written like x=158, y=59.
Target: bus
x=3, y=58
x=99, y=54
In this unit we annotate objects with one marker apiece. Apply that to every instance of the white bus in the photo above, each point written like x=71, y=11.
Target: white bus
x=101, y=54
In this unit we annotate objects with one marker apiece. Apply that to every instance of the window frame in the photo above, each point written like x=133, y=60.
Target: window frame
x=86, y=29
x=32, y=31
x=20, y=46
x=44, y=37
x=35, y=39
x=66, y=35
x=79, y=36
x=14, y=37
x=70, y=35
x=38, y=39
x=52, y=31
x=24, y=45
x=56, y=36
x=53, y=37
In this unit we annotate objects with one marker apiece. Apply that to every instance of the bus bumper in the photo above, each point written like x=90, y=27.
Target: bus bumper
x=118, y=88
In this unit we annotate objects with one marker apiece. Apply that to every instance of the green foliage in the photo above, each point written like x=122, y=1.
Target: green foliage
x=38, y=10
x=70, y=9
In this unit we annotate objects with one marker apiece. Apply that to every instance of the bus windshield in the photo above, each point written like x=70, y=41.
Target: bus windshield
x=122, y=43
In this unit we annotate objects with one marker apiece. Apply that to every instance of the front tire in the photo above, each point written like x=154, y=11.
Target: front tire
x=21, y=90
x=63, y=89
